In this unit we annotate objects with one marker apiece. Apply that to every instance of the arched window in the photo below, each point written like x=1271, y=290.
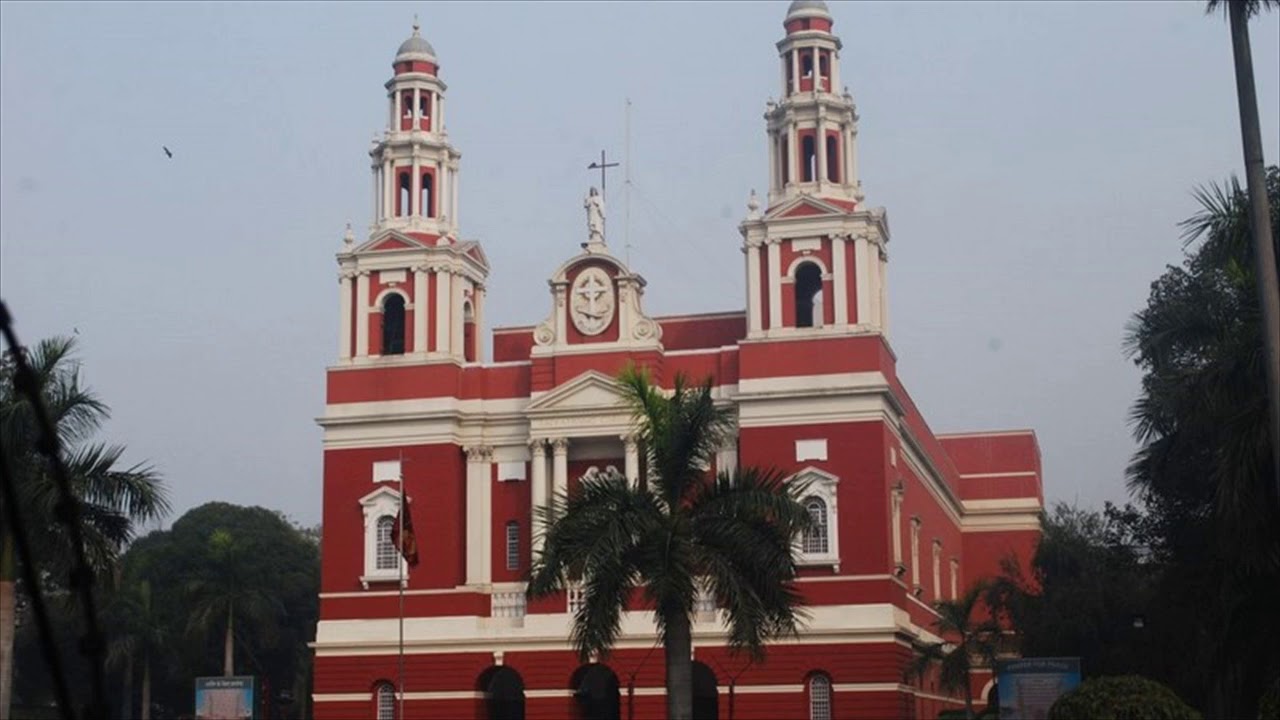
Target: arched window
x=816, y=536
x=404, y=194
x=809, y=154
x=393, y=325
x=385, y=697
x=386, y=550
x=428, y=195
x=806, y=65
x=808, y=285
x=819, y=698
x=513, y=545
x=468, y=332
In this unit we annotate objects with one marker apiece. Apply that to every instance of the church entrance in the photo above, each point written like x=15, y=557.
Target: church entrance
x=595, y=693
x=706, y=696
x=503, y=694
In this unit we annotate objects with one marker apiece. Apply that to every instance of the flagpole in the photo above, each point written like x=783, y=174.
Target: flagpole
x=400, y=564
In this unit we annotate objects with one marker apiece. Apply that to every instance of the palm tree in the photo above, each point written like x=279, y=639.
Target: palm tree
x=967, y=644
x=112, y=499
x=228, y=587
x=675, y=535
x=1264, y=250
x=138, y=635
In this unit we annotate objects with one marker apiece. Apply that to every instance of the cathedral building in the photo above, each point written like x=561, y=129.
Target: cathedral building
x=905, y=516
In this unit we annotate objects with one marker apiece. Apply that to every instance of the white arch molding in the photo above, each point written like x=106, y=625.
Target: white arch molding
x=382, y=296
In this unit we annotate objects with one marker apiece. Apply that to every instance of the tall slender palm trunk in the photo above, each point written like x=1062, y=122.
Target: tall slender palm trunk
x=1264, y=250
x=8, y=622
x=679, y=650
x=228, y=646
x=126, y=703
x=145, y=709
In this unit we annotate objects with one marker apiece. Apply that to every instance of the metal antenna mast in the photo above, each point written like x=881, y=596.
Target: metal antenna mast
x=626, y=186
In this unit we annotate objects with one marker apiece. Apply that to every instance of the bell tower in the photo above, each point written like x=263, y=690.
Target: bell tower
x=413, y=291
x=415, y=169
x=816, y=256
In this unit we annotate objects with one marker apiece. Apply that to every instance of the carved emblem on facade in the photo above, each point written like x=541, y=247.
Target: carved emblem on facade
x=592, y=301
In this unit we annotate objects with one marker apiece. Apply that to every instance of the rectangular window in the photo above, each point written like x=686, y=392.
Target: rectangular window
x=386, y=471
x=513, y=545
x=937, y=569
x=915, y=552
x=811, y=450
x=508, y=471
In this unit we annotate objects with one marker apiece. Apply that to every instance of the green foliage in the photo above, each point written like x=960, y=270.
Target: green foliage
x=1202, y=471
x=966, y=639
x=217, y=554
x=1128, y=697
x=1085, y=585
x=113, y=499
x=679, y=532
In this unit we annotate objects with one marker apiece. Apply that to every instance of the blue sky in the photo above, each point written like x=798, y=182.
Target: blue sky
x=1034, y=158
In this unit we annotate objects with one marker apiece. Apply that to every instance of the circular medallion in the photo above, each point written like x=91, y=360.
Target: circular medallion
x=591, y=301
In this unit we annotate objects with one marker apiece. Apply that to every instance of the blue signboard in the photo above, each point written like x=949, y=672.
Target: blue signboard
x=1028, y=687
x=224, y=698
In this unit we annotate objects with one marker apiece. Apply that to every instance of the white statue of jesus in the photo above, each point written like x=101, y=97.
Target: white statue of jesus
x=594, y=205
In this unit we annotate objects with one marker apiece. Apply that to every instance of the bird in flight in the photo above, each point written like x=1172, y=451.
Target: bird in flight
x=167, y=151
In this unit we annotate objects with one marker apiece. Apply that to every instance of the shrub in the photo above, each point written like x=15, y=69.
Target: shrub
x=1121, y=698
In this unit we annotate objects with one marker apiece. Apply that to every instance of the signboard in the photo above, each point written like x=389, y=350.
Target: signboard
x=1028, y=687
x=225, y=698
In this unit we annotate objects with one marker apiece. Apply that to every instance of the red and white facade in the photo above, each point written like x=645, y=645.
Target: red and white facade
x=909, y=516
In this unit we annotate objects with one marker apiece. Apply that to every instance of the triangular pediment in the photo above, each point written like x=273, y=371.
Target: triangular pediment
x=385, y=492
x=806, y=206
x=592, y=390
x=391, y=240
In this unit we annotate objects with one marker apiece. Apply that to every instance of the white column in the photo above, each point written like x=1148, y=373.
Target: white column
x=415, y=189
x=377, y=196
x=862, y=271
x=421, y=306
x=631, y=450
x=443, y=287
x=559, y=467
x=873, y=284
x=439, y=113
x=852, y=153
x=773, y=163
x=455, y=328
x=840, y=280
x=395, y=119
x=821, y=131
x=883, y=312
x=417, y=104
x=537, y=488
x=793, y=163
x=774, y=271
x=727, y=457
x=834, y=70
x=362, y=314
x=388, y=191
x=753, y=289
x=344, y=324
x=559, y=293
x=479, y=537
x=795, y=71
x=453, y=197
x=478, y=299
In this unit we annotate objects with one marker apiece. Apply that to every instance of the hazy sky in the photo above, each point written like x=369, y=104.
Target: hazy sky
x=1035, y=159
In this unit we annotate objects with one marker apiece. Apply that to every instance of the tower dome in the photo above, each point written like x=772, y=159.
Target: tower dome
x=808, y=9
x=416, y=47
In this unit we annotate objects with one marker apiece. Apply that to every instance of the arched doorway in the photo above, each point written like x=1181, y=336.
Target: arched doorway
x=706, y=696
x=595, y=693
x=503, y=694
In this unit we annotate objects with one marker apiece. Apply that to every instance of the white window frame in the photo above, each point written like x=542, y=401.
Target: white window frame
x=378, y=504
x=937, y=569
x=822, y=485
x=384, y=701
x=915, y=553
x=512, y=544
x=897, y=497
x=819, y=711
x=955, y=577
